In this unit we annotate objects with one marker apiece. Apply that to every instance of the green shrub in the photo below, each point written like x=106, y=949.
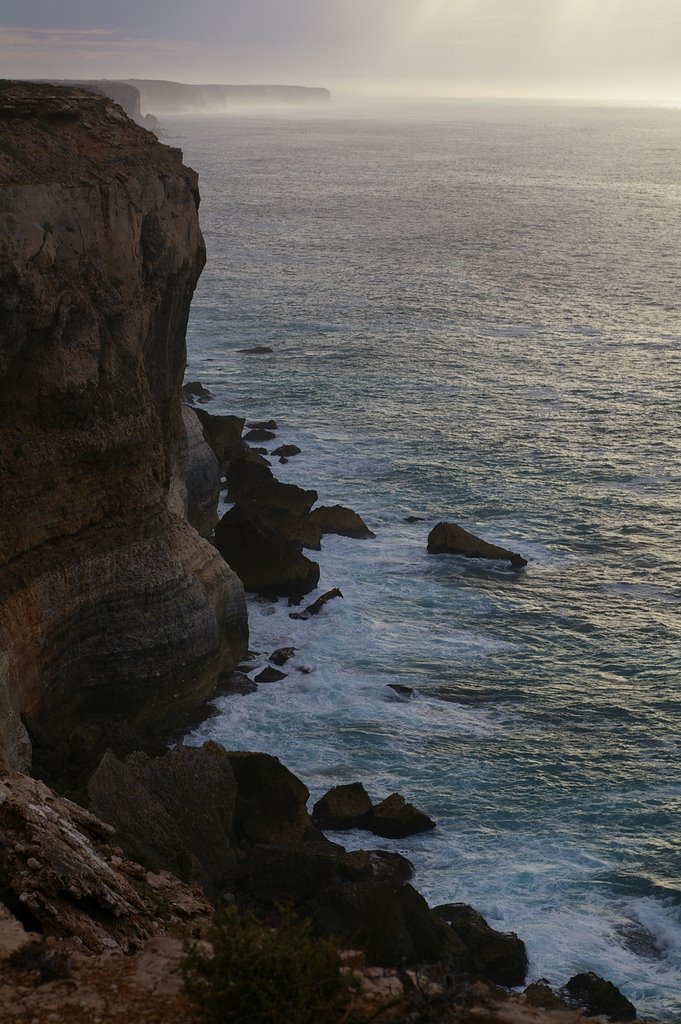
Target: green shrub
x=262, y=975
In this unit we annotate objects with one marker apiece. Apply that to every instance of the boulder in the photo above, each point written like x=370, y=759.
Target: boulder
x=297, y=528
x=599, y=998
x=259, y=434
x=236, y=683
x=255, y=483
x=263, y=425
x=193, y=391
x=256, y=350
x=282, y=655
x=316, y=606
x=270, y=675
x=286, y=451
x=540, y=995
x=450, y=539
x=174, y=811
x=264, y=560
x=392, y=923
x=223, y=434
x=394, y=818
x=499, y=957
x=404, y=691
x=340, y=520
x=343, y=807
x=271, y=804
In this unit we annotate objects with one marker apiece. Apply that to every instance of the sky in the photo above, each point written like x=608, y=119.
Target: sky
x=600, y=49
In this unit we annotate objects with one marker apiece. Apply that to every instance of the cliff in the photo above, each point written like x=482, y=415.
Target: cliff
x=174, y=97
x=114, y=613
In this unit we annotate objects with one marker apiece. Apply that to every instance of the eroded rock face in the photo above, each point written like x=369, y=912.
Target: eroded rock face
x=110, y=603
x=62, y=878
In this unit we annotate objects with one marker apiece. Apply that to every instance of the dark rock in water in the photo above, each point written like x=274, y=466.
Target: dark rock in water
x=271, y=804
x=404, y=691
x=256, y=350
x=340, y=520
x=500, y=957
x=264, y=560
x=237, y=683
x=450, y=539
x=287, y=451
x=260, y=451
x=413, y=519
x=316, y=606
x=540, y=995
x=176, y=811
x=343, y=807
x=283, y=461
x=270, y=675
x=394, y=818
x=282, y=655
x=598, y=997
x=263, y=425
x=193, y=391
x=259, y=434
x=250, y=482
x=223, y=434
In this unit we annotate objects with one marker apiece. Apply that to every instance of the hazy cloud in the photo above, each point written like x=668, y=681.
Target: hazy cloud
x=625, y=47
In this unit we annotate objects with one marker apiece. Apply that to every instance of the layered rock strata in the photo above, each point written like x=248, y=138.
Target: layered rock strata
x=111, y=605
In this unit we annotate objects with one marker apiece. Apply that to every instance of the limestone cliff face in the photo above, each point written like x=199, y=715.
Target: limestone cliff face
x=111, y=605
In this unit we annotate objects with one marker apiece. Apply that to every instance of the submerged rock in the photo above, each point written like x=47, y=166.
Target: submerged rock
x=404, y=691
x=256, y=350
x=500, y=957
x=450, y=539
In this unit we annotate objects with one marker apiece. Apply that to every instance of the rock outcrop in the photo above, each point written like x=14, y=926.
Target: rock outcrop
x=349, y=806
x=62, y=878
x=499, y=957
x=451, y=539
x=111, y=605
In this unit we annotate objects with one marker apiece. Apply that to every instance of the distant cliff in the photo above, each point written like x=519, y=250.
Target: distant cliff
x=113, y=611
x=173, y=97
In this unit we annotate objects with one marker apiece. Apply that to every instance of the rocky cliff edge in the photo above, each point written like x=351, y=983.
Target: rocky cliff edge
x=113, y=611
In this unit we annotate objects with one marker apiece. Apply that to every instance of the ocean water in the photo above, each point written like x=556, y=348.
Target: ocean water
x=475, y=315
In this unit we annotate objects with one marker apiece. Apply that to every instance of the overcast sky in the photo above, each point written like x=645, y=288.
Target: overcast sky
x=553, y=48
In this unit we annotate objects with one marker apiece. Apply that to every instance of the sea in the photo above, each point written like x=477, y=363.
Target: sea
x=474, y=311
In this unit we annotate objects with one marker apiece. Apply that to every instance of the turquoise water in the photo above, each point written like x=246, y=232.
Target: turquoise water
x=475, y=316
